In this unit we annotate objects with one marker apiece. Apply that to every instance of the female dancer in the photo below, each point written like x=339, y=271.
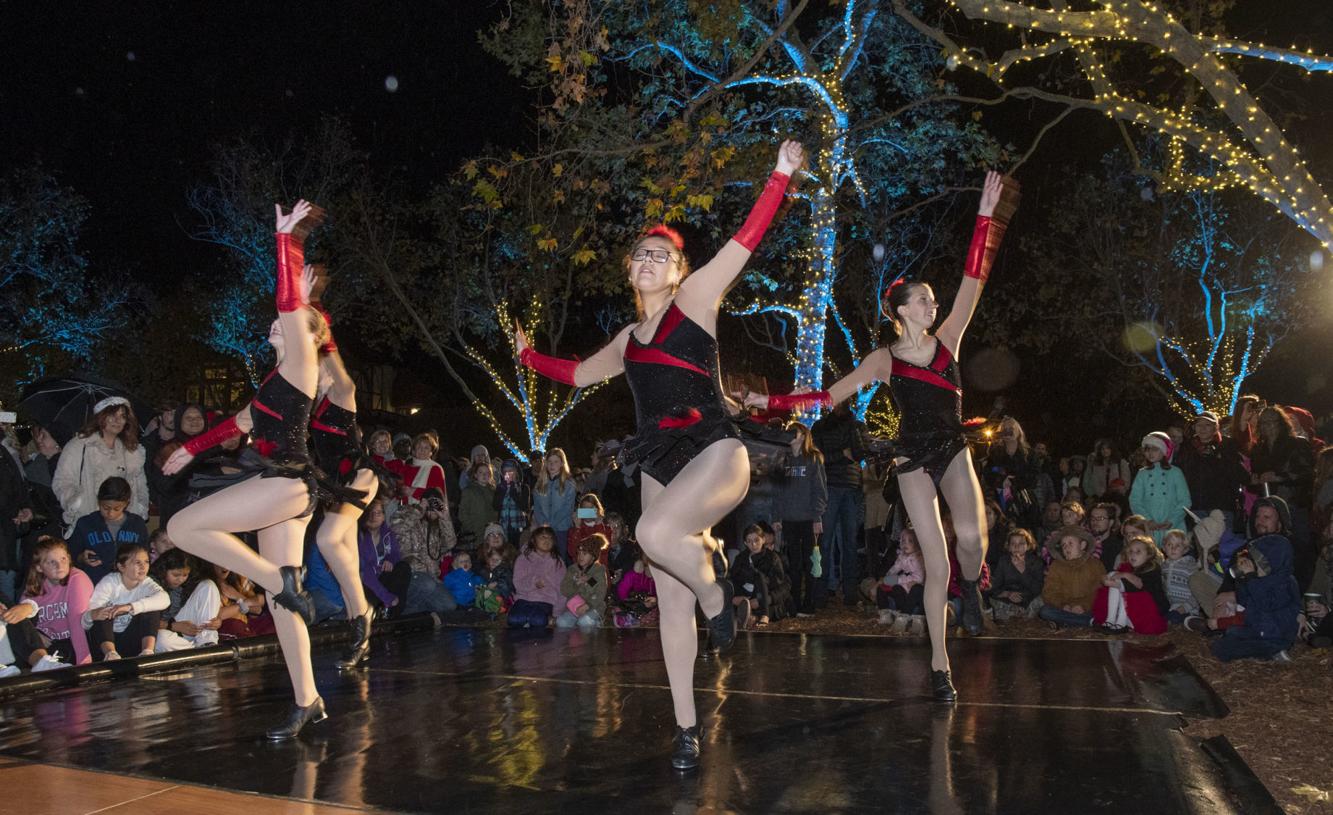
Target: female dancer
x=695, y=469
x=340, y=454
x=922, y=371
x=278, y=502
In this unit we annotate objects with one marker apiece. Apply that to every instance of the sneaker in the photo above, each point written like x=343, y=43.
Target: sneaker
x=9, y=670
x=110, y=656
x=901, y=623
x=804, y=614
x=49, y=662
x=1196, y=623
x=1108, y=628
x=886, y=616
x=1282, y=656
x=916, y=626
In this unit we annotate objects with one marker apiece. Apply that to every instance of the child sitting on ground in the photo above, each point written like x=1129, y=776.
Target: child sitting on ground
x=1071, y=581
x=1017, y=579
x=585, y=586
x=496, y=593
x=126, y=606
x=190, y=619
x=461, y=582
x=1132, y=597
x=96, y=537
x=538, y=572
x=762, y=587
x=900, y=595
x=637, y=595
x=1266, y=589
x=1178, y=568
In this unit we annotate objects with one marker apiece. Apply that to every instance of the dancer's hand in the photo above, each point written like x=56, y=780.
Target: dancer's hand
x=990, y=193
x=308, y=281
x=791, y=155
x=520, y=339
x=286, y=223
x=177, y=461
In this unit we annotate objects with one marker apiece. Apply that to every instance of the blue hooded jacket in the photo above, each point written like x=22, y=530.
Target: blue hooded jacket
x=1270, y=596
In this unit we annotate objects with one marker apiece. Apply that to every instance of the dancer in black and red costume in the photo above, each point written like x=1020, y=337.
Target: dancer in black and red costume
x=695, y=469
x=341, y=455
x=921, y=368
x=278, y=489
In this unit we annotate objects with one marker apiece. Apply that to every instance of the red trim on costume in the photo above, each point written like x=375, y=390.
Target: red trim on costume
x=329, y=347
x=690, y=417
x=926, y=375
x=561, y=370
x=291, y=263
x=761, y=215
x=317, y=425
x=673, y=317
x=799, y=401
x=656, y=356
x=263, y=408
x=986, y=237
x=226, y=430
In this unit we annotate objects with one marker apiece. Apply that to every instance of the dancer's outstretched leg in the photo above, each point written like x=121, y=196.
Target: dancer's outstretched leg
x=675, y=516
x=205, y=527
x=680, y=642
x=284, y=544
x=337, y=541
x=918, y=494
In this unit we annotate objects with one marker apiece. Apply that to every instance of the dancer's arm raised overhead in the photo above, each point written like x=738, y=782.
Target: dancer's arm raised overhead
x=299, y=361
x=606, y=363
x=986, y=237
x=701, y=293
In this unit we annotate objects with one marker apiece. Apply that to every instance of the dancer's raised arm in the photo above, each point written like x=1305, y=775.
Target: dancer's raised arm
x=986, y=237
x=703, y=290
x=606, y=363
x=298, y=362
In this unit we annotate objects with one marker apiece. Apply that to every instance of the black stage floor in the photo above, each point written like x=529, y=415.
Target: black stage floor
x=489, y=721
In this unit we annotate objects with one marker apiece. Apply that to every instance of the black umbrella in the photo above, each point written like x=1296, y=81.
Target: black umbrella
x=64, y=404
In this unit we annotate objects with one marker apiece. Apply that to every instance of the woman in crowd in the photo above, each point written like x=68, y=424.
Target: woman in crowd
x=1282, y=465
x=277, y=490
x=172, y=492
x=108, y=447
x=45, y=628
x=383, y=571
x=126, y=607
x=1160, y=493
x=476, y=507
x=425, y=535
x=422, y=472
x=799, y=515
x=692, y=465
x=1103, y=466
x=553, y=499
x=921, y=368
x=1212, y=467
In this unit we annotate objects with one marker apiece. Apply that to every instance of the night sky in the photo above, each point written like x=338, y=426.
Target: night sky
x=122, y=102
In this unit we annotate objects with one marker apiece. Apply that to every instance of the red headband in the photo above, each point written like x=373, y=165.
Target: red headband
x=664, y=231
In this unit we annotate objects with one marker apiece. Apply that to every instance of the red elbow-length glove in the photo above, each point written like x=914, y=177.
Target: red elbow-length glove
x=561, y=370
x=329, y=347
x=291, y=264
x=761, y=215
x=225, y=430
x=986, y=237
x=799, y=401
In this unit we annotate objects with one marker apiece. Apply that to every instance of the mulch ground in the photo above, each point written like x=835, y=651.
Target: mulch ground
x=1281, y=719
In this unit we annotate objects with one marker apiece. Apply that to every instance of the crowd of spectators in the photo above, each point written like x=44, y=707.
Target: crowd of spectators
x=1221, y=525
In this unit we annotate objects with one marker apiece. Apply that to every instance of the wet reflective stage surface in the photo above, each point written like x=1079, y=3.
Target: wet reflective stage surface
x=487, y=721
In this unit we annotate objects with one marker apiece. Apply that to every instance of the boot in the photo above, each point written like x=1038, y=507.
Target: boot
x=722, y=628
x=293, y=597
x=685, y=747
x=360, y=644
x=941, y=687
x=972, y=622
x=297, y=719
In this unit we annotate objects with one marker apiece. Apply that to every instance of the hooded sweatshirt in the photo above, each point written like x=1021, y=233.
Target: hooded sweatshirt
x=1073, y=582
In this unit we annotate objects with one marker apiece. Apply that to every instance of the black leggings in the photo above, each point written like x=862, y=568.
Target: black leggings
x=24, y=638
x=128, y=643
x=908, y=601
x=396, y=581
x=799, y=540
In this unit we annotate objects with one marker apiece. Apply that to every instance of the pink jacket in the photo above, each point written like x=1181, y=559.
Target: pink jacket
x=59, y=609
x=533, y=566
x=909, y=569
x=635, y=582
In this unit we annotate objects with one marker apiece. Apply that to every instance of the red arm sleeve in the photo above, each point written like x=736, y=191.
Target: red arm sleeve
x=329, y=347
x=225, y=430
x=561, y=370
x=291, y=264
x=986, y=237
x=799, y=401
x=764, y=209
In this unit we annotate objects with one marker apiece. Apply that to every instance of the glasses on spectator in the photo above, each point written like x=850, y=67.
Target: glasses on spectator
x=655, y=255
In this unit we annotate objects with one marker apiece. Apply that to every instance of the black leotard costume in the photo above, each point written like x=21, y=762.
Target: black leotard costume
x=337, y=441
x=677, y=396
x=929, y=399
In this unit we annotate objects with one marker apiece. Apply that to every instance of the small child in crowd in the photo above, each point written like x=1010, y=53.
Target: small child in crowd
x=44, y=629
x=900, y=595
x=1071, y=581
x=762, y=588
x=461, y=582
x=497, y=590
x=1178, y=569
x=126, y=607
x=96, y=536
x=190, y=619
x=1017, y=579
x=589, y=522
x=585, y=585
x=637, y=593
x=1132, y=597
x=538, y=572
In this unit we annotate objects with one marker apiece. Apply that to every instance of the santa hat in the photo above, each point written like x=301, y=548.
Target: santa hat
x=1161, y=441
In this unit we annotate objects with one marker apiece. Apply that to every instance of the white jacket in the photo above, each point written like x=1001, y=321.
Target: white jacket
x=110, y=591
x=85, y=463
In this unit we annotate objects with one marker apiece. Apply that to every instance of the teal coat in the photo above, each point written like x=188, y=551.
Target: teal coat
x=1161, y=496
